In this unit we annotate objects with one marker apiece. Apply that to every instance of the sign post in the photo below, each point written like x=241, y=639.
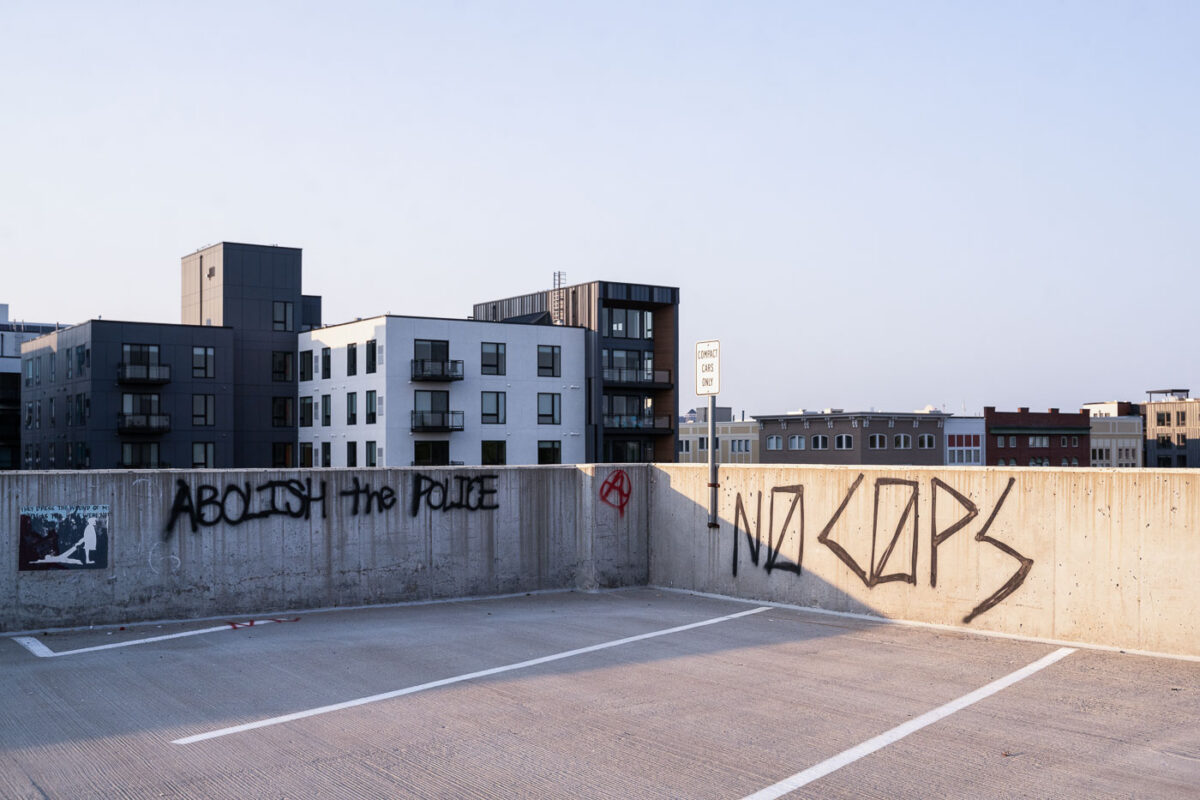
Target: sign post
x=708, y=383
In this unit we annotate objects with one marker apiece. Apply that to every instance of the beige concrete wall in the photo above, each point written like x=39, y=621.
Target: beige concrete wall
x=1114, y=556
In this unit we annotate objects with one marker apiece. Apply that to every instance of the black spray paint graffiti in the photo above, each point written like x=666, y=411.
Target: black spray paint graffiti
x=238, y=504
x=474, y=493
x=873, y=574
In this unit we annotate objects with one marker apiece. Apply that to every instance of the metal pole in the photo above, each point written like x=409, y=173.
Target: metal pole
x=712, y=461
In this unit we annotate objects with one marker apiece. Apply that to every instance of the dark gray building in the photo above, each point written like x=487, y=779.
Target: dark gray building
x=834, y=436
x=12, y=335
x=632, y=353
x=105, y=394
x=255, y=290
x=218, y=390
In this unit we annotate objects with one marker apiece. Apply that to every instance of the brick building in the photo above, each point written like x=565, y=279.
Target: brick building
x=1025, y=438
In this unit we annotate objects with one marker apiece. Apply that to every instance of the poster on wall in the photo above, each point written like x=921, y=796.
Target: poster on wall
x=64, y=537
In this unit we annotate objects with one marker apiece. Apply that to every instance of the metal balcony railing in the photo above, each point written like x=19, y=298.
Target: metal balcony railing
x=637, y=422
x=143, y=423
x=437, y=421
x=425, y=370
x=143, y=373
x=624, y=375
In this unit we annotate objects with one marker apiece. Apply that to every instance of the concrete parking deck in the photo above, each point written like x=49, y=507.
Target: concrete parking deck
x=630, y=693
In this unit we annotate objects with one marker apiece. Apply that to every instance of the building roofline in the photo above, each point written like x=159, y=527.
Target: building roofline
x=444, y=319
x=243, y=244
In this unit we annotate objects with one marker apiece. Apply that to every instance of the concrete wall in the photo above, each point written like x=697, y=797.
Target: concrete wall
x=1109, y=557
x=545, y=532
x=1113, y=556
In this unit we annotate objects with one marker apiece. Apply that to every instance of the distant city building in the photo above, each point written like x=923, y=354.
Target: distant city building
x=394, y=391
x=834, y=436
x=966, y=441
x=1025, y=438
x=1172, y=428
x=631, y=361
x=1117, y=434
x=218, y=390
x=737, y=442
x=12, y=335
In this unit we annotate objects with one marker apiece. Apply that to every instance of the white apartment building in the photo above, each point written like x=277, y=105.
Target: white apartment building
x=1117, y=436
x=394, y=391
x=965, y=441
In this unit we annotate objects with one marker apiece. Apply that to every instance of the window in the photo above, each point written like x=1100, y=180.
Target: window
x=626, y=323
x=140, y=455
x=282, y=453
x=203, y=454
x=1039, y=441
x=326, y=363
x=372, y=407
x=283, y=365
x=431, y=454
x=549, y=361
x=203, y=362
x=306, y=454
x=351, y=359
x=549, y=452
x=371, y=355
x=1074, y=441
x=372, y=454
x=492, y=453
x=877, y=441
x=1181, y=418
x=306, y=412
x=204, y=410
x=820, y=442
x=283, y=413
x=493, y=408
x=843, y=441
x=326, y=410
x=326, y=459
x=83, y=358
x=1062, y=442
x=281, y=316
x=902, y=441
x=492, y=359
x=796, y=442
x=774, y=442
x=351, y=454
x=685, y=445
x=702, y=443
x=29, y=371
x=431, y=350
x=306, y=365
x=549, y=409
x=1180, y=439
x=352, y=408
x=53, y=359
x=1000, y=442
x=53, y=422
x=926, y=441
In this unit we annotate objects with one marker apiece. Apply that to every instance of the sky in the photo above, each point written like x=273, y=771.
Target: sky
x=872, y=205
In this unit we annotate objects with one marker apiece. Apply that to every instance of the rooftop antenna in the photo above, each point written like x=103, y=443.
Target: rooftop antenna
x=558, y=299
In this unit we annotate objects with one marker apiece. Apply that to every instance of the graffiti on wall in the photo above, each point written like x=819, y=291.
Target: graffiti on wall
x=615, y=490
x=892, y=554
x=63, y=537
x=470, y=492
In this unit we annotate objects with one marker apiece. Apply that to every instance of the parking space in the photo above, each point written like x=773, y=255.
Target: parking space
x=631, y=693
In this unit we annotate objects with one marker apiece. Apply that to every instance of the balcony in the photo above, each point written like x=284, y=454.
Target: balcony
x=636, y=422
x=437, y=421
x=425, y=370
x=143, y=373
x=638, y=377
x=143, y=423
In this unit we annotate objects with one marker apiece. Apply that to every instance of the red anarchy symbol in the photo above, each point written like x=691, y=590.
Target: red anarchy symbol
x=617, y=484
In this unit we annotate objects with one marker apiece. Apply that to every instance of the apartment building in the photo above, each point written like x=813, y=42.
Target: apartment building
x=105, y=394
x=1025, y=438
x=217, y=390
x=1118, y=433
x=1172, y=428
x=631, y=353
x=834, y=436
x=965, y=441
x=401, y=391
x=737, y=442
x=12, y=335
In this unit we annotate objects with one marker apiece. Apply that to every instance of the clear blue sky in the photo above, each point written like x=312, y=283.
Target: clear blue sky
x=871, y=204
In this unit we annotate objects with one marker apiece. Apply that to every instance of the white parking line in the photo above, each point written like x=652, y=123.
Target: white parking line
x=533, y=662
x=35, y=646
x=900, y=731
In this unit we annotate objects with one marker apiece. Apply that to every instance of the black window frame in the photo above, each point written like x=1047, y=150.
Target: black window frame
x=283, y=366
x=497, y=417
x=351, y=359
x=549, y=361
x=495, y=362
x=204, y=362
x=545, y=446
x=554, y=417
x=283, y=412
